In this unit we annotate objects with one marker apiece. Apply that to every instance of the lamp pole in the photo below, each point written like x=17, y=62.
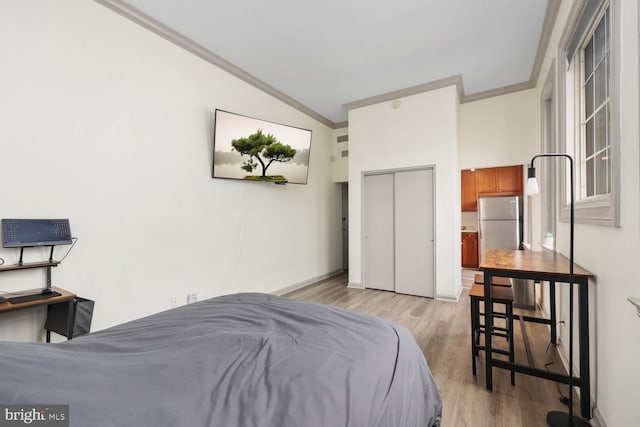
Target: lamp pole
x=559, y=418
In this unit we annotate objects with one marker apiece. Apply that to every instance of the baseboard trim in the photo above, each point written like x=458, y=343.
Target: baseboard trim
x=450, y=298
x=355, y=285
x=597, y=420
x=305, y=283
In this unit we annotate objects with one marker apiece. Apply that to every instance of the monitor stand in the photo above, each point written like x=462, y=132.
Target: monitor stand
x=20, y=262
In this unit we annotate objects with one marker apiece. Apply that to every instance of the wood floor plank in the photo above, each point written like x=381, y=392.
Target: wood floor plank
x=442, y=331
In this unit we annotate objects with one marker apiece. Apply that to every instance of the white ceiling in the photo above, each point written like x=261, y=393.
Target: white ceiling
x=324, y=54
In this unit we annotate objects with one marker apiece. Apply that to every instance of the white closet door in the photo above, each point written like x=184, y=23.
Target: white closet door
x=378, y=232
x=414, y=233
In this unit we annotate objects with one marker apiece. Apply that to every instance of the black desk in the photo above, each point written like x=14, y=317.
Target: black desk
x=540, y=266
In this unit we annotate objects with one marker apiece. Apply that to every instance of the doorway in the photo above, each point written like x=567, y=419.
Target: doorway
x=345, y=226
x=399, y=252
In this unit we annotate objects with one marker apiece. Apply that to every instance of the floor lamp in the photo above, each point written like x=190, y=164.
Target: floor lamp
x=559, y=418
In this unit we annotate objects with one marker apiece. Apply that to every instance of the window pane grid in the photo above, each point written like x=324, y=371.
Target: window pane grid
x=595, y=145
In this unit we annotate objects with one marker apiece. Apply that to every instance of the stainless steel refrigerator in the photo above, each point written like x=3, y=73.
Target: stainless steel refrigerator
x=500, y=227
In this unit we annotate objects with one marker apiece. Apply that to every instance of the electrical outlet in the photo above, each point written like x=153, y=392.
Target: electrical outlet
x=174, y=302
x=191, y=298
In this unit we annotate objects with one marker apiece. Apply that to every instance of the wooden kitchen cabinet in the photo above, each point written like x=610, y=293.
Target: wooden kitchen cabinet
x=504, y=181
x=469, y=186
x=470, y=250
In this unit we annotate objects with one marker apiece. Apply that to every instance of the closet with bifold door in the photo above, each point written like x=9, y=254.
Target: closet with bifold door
x=399, y=250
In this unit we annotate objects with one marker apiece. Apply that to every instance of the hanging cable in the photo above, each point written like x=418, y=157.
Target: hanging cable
x=75, y=239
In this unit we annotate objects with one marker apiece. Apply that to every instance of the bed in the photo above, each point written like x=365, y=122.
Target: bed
x=236, y=360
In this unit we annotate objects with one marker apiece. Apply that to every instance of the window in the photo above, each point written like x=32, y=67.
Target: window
x=595, y=145
x=588, y=114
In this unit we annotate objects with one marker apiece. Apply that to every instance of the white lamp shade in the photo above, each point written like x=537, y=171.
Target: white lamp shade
x=532, y=186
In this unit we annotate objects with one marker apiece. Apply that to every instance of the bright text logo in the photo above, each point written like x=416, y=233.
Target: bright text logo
x=34, y=415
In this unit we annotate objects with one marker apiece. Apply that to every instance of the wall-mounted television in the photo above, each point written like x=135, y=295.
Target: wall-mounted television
x=251, y=149
x=19, y=233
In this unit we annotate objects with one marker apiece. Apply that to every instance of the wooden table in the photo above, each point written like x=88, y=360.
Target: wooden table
x=64, y=297
x=540, y=266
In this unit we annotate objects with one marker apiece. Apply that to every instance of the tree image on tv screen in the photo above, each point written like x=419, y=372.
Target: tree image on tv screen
x=262, y=149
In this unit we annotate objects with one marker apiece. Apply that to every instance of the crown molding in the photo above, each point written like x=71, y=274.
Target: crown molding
x=545, y=37
x=439, y=84
x=413, y=90
x=172, y=36
x=341, y=125
x=504, y=90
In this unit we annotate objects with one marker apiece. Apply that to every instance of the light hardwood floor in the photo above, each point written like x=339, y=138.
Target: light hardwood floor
x=442, y=330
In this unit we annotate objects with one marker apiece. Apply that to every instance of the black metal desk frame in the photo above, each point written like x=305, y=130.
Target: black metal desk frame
x=583, y=381
x=40, y=303
x=67, y=298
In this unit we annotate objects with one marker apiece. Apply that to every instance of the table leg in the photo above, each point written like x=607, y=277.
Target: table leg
x=70, y=320
x=552, y=305
x=488, y=329
x=583, y=314
x=474, y=328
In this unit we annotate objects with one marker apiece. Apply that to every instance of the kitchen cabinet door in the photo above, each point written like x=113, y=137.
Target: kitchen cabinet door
x=487, y=180
x=505, y=181
x=469, y=187
x=470, y=250
x=510, y=179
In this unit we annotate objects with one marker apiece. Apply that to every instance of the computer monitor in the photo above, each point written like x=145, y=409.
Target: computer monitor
x=21, y=233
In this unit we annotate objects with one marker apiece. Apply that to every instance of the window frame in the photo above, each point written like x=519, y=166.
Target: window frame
x=601, y=209
x=549, y=170
x=599, y=106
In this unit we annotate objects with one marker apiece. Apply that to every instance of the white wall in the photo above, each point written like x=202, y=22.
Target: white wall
x=611, y=253
x=499, y=131
x=423, y=131
x=340, y=164
x=105, y=123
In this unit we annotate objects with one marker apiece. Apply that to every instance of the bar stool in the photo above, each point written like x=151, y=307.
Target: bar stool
x=499, y=295
x=478, y=279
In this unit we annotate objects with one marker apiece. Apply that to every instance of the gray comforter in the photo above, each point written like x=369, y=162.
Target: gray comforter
x=236, y=360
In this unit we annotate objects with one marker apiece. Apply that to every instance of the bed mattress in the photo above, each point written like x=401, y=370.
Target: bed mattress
x=236, y=360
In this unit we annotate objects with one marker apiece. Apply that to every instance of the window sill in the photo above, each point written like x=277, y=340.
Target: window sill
x=547, y=247
x=599, y=211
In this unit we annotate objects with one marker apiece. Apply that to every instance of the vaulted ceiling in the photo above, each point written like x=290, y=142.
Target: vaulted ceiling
x=321, y=55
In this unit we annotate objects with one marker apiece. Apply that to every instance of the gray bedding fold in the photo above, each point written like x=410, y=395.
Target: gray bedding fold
x=237, y=360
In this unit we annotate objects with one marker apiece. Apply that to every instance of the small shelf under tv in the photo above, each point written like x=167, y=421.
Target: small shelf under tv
x=39, y=264
x=26, y=265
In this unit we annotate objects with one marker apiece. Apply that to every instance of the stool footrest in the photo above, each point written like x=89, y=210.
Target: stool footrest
x=497, y=314
x=493, y=350
x=478, y=279
x=495, y=328
x=499, y=294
